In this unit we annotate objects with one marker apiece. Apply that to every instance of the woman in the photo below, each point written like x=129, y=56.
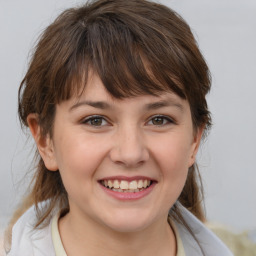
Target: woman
x=115, y=100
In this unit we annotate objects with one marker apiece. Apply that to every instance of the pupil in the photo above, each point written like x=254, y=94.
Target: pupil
x=157, y=120
x=96, y=121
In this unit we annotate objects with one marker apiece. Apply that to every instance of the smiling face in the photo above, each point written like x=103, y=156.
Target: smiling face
x=123, y=162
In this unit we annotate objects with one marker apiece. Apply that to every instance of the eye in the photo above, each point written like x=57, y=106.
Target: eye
x=96, y=121
x=160, y=120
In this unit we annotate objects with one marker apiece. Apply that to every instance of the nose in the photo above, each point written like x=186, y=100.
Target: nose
x=129, y=148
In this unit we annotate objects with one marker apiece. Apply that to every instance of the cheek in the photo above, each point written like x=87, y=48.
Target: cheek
x=173, y=155
x=78, y=156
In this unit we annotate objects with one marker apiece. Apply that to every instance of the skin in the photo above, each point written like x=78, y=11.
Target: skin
x=126, y=139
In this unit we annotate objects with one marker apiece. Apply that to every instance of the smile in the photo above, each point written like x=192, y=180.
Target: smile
x=126, y=186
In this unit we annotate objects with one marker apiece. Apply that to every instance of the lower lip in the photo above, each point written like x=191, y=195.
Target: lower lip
x=129, y=195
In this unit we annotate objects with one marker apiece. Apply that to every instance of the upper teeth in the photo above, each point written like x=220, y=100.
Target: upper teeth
x=123, y=184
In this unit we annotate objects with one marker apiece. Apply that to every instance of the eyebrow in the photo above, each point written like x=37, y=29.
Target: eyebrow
x=163, y=103
x=95, y=104
x=149, y=106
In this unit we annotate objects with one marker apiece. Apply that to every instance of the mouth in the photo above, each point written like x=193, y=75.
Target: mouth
x=125, y=186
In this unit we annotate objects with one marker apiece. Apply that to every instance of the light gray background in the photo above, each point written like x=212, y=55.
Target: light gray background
x=226, y=33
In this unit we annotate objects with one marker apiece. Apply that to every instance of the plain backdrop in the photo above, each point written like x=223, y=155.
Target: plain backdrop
x=226, y=33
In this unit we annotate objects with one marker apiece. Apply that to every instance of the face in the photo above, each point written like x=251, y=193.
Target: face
x=123, y=162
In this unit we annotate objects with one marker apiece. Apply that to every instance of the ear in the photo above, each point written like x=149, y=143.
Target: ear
x=44, y=143
x=195, y=145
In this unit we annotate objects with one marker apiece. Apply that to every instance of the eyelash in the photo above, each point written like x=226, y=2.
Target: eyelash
x=166, y=120
x=91, y=118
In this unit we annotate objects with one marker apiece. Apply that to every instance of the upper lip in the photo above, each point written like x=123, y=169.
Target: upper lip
x=127, y=178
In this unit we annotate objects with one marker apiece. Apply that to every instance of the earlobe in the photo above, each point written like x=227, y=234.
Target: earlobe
x=44, y=143
x=195, y=145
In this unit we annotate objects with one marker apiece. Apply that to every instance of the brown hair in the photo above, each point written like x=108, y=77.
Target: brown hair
x=136, y=47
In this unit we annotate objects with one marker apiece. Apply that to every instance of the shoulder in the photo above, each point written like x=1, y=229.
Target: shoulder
x=210, y=244
x=26, y=240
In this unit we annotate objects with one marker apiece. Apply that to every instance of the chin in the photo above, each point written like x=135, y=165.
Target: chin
x=128, y=227
x=129, y=223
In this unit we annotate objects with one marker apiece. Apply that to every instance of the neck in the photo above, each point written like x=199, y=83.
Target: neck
x=90, y=238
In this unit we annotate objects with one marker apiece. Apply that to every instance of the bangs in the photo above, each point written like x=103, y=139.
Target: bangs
x=126, y=60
